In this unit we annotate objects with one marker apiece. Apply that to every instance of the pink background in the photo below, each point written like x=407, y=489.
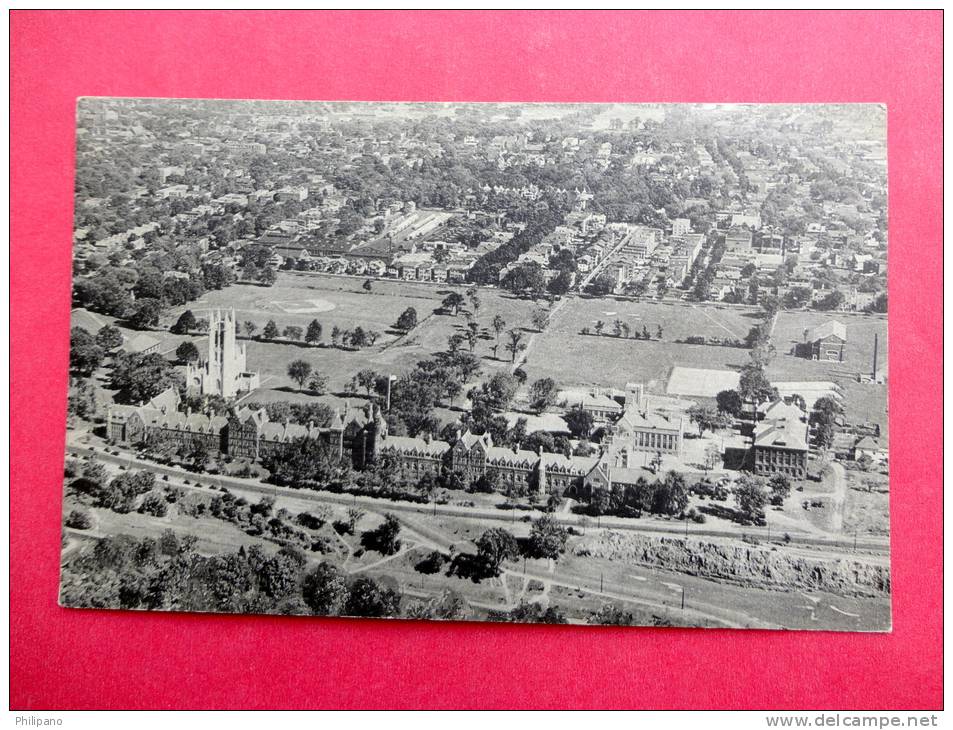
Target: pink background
x=86, y=659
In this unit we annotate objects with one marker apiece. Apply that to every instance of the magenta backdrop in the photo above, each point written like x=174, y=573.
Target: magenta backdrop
x=88, y=659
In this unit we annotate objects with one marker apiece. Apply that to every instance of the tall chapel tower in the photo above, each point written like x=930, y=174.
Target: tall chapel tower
x=223, y=373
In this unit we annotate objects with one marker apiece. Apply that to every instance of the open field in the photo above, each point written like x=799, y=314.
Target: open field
x=339, y=301
x=858, y=354
x=571, y=358
x=862, y=401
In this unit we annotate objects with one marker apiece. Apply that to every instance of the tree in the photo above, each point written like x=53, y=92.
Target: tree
x=81, y=399
x=540, y=319
x=528, y=613
x=298, y=371
x=561, y=283
x=494, y=546
x=712, y=456
x=601, y=286
x=878, y=305
x=139, y=378
x=547, y=538
x=455, y=342
x=109, y=338
x=313, y=335
x=753, y=385
x=498, y=324
x=300, y=462
x=708, y=418
x=729, y=402
x=85, y=355
x=271, y=330
x=599, y=326
x=79, y=520
x=824, y=417
x=250, y=328
x=832, y=301
x=525, y=280
x=542, y=394
x=384, y=538
x=187, y=352
x=448, y=606
x=407, y=320
x=751, y=498
x=325, y=590
x=318, y=383
x=780, y=487
x=612, y=615
x=472, y=337
x=453, y=301
x=671, y=494
x=796, y=297
x=515, y=344
x=367, y=286
x=145, y=313
x=368, y=598
x=278, y=575
x=366, y=379
x=293, y=332
x=474, y=297
x=268, y=276
x=103, y=292
x=579, y=421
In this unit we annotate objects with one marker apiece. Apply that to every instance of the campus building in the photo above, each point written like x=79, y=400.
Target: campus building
x=780, y=443
x=223, y=372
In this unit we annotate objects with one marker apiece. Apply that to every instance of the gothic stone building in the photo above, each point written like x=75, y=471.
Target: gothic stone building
x=243, y=433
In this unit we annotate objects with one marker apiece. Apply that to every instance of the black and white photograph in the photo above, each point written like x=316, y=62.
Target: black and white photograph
x=590, y=363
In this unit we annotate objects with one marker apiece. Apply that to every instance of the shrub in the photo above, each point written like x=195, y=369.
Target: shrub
x=79, y=520
x=154, y=505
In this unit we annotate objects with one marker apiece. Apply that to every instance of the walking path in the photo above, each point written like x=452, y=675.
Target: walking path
x=683, y=528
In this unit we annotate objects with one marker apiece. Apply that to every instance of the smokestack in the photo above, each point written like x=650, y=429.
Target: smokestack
x=873, y=375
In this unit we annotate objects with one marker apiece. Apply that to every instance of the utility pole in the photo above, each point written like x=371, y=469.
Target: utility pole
x=683, y=598
x=601, y=575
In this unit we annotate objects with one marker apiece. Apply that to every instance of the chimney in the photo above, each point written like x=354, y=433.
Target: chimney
x=873, y=375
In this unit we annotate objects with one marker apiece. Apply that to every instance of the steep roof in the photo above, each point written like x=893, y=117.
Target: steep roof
x=634, y=418
x=831, y=327
x=504, y=455
x=783, y=434
x=780, y=409
x=168, y=399
x=141, y=343
x=415, y=445
x=868, y=443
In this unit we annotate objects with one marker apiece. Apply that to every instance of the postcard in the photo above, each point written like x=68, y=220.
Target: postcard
x=616, y=364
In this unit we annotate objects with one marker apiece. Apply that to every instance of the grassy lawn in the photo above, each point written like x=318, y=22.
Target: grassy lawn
x=571, y=358
x=867, y=505
x=863, y=401
x=296, y=299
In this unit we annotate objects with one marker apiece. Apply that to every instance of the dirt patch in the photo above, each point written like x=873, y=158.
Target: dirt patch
x=767, y=567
